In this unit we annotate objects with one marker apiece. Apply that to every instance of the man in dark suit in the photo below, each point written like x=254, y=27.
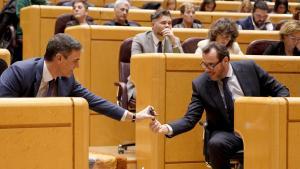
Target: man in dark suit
x=53, y=76
x=214, y=92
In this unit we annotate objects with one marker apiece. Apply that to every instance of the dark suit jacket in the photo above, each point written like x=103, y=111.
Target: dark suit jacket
x=23, y=79
x=253, y=80
x=278, y=49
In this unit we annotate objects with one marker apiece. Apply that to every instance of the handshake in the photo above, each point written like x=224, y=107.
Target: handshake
x=155, y=125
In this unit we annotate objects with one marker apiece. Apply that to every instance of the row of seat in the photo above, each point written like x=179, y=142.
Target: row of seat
x=38, y=23
x=269, y=138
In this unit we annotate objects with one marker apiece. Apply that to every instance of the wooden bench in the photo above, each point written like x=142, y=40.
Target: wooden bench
x=38, y=22
x=271, y=133
x=44, y=133
x=165, y=83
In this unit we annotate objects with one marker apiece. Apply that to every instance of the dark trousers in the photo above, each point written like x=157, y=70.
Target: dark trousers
x=221, y=146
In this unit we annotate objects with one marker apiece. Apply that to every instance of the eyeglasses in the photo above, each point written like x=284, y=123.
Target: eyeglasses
x=294, y=38
x=209, y=66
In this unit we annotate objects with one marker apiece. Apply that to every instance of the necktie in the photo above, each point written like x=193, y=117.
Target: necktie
x=51, y=88
x=228, y=97
x=159, y=47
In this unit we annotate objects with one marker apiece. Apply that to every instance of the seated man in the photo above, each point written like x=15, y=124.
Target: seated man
x=53, y=76
x=80, y=13
x=214, y=91
x=160, y=40
x=258, y=20
x=121, y=9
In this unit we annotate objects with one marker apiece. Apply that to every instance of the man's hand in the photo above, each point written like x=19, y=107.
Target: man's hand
x=167, y=32
x=147, y=113
x=157, y=127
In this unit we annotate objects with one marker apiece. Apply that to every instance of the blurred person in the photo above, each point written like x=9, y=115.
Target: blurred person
x=208, y=5
x=169, y=5
x=289, y=40
x=187, y=11
x=80, y=13
x=223, y=31
x=70, y=3
x=281, y=7
x=258, y=20
x=214, y=92
x=52, y=76
x=246, y=6
x=296, y=14
x=121, y=9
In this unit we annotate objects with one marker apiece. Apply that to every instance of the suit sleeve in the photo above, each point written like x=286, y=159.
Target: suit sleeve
x=269, y=85
x=10, y=82
x=97, y=103
x=191, y=118
x=136, y=47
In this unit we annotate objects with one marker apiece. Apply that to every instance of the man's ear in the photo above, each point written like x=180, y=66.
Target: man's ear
x=226, y=59
x=58, y=57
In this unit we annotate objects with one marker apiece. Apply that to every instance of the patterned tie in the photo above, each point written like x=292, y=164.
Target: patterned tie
x=159, y=47
x=51, y=88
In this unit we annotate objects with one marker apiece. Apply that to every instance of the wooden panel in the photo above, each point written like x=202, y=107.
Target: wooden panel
x=186, y=166
x=178, y=92
x=107, y=132
x=263, y=131
x=293, y=145
x=32, y=148
x=294, y=107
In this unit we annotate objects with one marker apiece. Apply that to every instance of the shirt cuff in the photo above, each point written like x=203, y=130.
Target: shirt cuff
x=170, y=130
x=124, y=115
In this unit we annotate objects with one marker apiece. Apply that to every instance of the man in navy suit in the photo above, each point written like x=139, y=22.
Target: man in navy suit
x=214, y=91
x=53, y=76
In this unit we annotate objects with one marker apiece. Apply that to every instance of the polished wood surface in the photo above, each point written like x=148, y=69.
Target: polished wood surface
x=44, y=133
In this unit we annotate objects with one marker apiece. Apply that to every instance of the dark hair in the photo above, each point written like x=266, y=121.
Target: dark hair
x=223, y=26
x=151, y=5
x=205, y=2
x=222, y=51
x=283, y=2
x=61, y=43
x=85, y=4
x=260, y=5
x=159, y=13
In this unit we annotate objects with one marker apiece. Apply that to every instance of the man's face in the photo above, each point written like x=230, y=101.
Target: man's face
x=66, y=66
x=260, y=17
x=293, y=40
x=79, y=10
x=160, y=24
x=215, y=68
x=188, y=15
x=121, y=12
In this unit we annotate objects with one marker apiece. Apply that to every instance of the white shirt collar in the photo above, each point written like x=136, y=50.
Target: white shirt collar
x=46, y=74
x=230, y=71
x=155, y=39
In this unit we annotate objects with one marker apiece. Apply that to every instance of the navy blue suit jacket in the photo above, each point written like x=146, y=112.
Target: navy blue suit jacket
x=23, y=79
x=253, y=80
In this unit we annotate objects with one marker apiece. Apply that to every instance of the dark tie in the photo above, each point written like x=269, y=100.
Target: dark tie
x=159, y=47
x=51, y=88
x=228, y=97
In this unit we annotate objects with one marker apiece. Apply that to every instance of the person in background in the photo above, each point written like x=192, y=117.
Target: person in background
x=289, y=40
x=169, y=5
x=215, y=91
x=80, y=13
x=296, y=14
x=224, y=31
x=187, y=11
x=258, y=20
x=281, y=7
x=208, y=5
x=52, y=76
x=246, y=6
x=121, y=9
x=70, y=3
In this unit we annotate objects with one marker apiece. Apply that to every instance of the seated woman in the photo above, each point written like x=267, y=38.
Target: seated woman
x=169, y=4
x=246, y=6
x=225, y=32
x=208, y=5
x=80, y=14
x=281, y=7
x=289, y=40
x=187, y=11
